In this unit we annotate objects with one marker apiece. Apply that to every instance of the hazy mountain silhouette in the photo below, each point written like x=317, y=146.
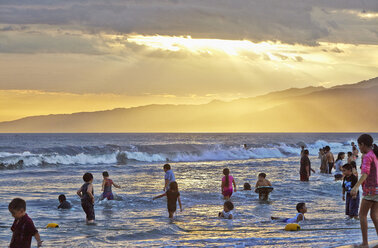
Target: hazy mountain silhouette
x=345, y=108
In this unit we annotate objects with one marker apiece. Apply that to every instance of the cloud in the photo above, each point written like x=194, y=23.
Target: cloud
x=289, y=21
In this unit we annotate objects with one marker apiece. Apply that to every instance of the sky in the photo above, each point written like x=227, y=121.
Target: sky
x=72, y=56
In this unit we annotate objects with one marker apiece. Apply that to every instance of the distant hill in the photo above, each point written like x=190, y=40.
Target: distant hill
x=345, y=108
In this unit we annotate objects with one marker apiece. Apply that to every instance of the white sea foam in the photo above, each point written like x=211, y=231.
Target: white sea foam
x=173, y=153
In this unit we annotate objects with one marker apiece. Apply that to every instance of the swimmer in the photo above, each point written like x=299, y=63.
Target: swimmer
x=64, y=204
x=228, y=206
x=301, y=208
x=262, y=182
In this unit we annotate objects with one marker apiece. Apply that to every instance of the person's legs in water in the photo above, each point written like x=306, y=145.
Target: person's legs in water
x=171, y=214
x=364, y=209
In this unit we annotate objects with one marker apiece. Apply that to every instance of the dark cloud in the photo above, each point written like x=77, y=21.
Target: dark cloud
x=291, y=21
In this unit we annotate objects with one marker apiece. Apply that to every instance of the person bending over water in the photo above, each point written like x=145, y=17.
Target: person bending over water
x=369, y=181
x=107, y=187
x=226, y=185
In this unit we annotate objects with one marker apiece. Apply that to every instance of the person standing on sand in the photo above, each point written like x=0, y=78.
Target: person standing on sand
x=305, y=170
x=330, y=159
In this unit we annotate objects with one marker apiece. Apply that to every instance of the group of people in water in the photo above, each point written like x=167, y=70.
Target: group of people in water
x=23, y=228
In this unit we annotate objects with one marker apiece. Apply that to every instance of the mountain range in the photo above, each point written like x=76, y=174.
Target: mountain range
x=343, y=108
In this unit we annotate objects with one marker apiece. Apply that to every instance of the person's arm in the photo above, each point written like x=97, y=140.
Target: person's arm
x=300, y=217
x=343, y=194
x=308, y=170
x=38, y=239
x=103, y=185
x=222, y=186
x=269, y=183
x=233, y=181
x=179, y=201
x=116, y=185
x=79, y=192
x=354, y=191
x=89, y=191
x=257, y=184
x=166, y=184
x=159, y=196
x=365, y=170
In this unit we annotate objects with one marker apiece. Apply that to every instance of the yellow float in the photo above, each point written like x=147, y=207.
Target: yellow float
x=292, y=227
x=52, y=225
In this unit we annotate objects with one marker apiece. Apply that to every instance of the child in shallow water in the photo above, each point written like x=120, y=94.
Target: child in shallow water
x=173, y=195
x=226, y=185
x=301, y=208
x=107, y=187
x=228, y=206
x=259, y=187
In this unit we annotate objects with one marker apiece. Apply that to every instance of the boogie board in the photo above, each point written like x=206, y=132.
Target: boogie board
x=264, y=189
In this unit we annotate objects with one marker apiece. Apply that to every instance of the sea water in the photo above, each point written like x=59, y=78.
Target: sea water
x=54, y=164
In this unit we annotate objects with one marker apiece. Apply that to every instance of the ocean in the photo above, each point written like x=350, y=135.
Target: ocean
x=54, y=164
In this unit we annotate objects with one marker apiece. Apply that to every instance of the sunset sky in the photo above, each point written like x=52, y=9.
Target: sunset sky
x=71, y=56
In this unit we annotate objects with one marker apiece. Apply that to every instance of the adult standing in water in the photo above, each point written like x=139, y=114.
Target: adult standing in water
x=305, y=170
x=330, y=159
x=369, y=182
x=323, y=161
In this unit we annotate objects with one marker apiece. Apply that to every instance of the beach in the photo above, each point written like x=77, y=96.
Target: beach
x=55, y=163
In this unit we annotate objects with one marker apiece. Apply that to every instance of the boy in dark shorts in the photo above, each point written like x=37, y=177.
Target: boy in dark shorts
x=173, y=195
x=87, y=197
x=352, y=203
x=23, y=227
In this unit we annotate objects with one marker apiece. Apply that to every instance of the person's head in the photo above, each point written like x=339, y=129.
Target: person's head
x=305, y=152
x=226, y=171
x=347, y=170
x=350, y=154
x=327, y=148
x=228, y=206
x=301, y=207
x=105, y=174
x=173, y=186
x=353, y=164
x=352, y=144
x=17, y=208
x=247, y=186
x=365, y=143
x=261, y=176
x=340, y=156
x=167, y=167
x=302, y=147
x=62, y=198
x=88, y=177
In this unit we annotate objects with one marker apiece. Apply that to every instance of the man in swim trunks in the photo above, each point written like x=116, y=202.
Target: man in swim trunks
x=330, y=159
